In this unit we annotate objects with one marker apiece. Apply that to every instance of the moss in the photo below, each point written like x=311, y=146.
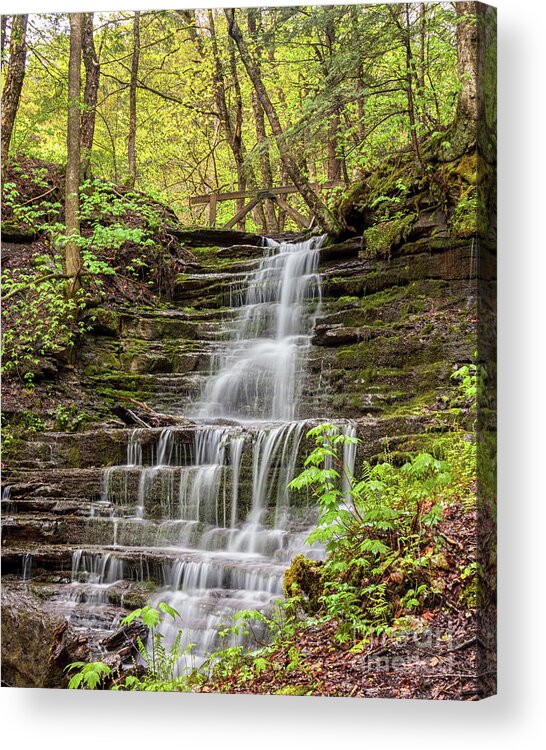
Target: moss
x=204, y=251
x=103, y=360
x=294, y=690
x=465, y=219
x=381, y=238
x=138, y=595
x=303, y=580
x=461, y=170
x=103, y=321
x=73, y=457
x=123, y=386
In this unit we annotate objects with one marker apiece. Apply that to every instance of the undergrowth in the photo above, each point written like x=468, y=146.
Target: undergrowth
x=385, y=554
x=124, y=247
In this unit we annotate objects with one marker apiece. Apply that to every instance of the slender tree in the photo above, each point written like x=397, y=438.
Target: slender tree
x=323, y=216
x=73, y=258
x=334, y=162
x=232, y=123
x=270, y=219
x=4, y=26
x=90, y=94
x=13, y=83
x=131, y=141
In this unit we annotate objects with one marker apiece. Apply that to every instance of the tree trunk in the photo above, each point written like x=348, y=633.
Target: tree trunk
x=237, y=131
x=268, y=206
x=422, y=44
x=472, y=37
x=90, y=94
x=232, y=126
x=334, y=162
x=409, y=88
x=73, y=259
x=421, y=73
x=13, y=82
x=4, y=26
x=470, y=59
x=323, y=216
x=131, y=141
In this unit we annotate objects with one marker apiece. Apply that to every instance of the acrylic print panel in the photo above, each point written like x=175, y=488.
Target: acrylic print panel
x=249, y=350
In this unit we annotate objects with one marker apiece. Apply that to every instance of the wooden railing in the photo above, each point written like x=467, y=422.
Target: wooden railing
x=256, y=196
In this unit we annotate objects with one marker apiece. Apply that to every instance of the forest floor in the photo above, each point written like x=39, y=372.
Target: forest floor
x=436, y=655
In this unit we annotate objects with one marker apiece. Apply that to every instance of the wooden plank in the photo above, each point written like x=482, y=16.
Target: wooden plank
x=212, y=209
x=298, y=218
x=243, y=212
x=283, y=190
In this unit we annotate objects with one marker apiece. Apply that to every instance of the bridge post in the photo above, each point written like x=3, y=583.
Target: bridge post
x=213, y=199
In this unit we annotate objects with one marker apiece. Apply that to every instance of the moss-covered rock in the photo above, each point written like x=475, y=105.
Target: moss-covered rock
x=303, y=580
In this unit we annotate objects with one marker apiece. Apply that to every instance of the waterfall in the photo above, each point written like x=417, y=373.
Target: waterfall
x=205, y=511
x=259, y=376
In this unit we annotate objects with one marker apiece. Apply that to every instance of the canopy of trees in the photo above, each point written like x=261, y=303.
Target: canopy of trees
x=189, y=102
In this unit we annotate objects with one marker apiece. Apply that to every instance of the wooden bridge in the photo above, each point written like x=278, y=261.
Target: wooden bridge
x=256, y=196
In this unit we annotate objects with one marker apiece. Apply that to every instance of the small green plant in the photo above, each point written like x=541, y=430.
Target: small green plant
x=88, y=676
x=374, y=530
x=67, y=418
x=467, y=379
x=161, y=663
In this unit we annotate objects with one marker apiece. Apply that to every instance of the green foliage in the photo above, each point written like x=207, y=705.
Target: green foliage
x=161, y=663
x=29, y=213
x=465, y=220
x=88, y=676
x=376, y=530
x=469, y=592
x=383, y=236
x=467, y=380
x=347, y=60
x=68, y=418
x=40, y=322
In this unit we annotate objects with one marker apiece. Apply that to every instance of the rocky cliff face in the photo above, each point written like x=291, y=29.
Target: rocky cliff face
x=391, y=328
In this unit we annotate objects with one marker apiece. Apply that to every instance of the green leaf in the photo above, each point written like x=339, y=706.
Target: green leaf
x=75, y=681
x=164, y=607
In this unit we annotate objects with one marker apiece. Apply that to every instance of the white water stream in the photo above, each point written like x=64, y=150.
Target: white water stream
x=212, y=520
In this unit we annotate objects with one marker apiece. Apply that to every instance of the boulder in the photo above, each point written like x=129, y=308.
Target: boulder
x=29, y=635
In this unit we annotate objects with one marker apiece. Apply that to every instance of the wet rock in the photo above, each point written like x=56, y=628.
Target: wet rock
x=215, y=237
x=341, y=250
x=103, y=321
x=241, y=251
x=150, y=363
x=29, y=635
x=430, y=223
x=158, y=327
x=338, y=334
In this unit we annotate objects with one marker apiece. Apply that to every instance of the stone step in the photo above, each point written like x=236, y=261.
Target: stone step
x=167, y=567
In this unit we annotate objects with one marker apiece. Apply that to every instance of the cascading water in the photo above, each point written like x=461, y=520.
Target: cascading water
x=210, y=518
x=259, y=377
